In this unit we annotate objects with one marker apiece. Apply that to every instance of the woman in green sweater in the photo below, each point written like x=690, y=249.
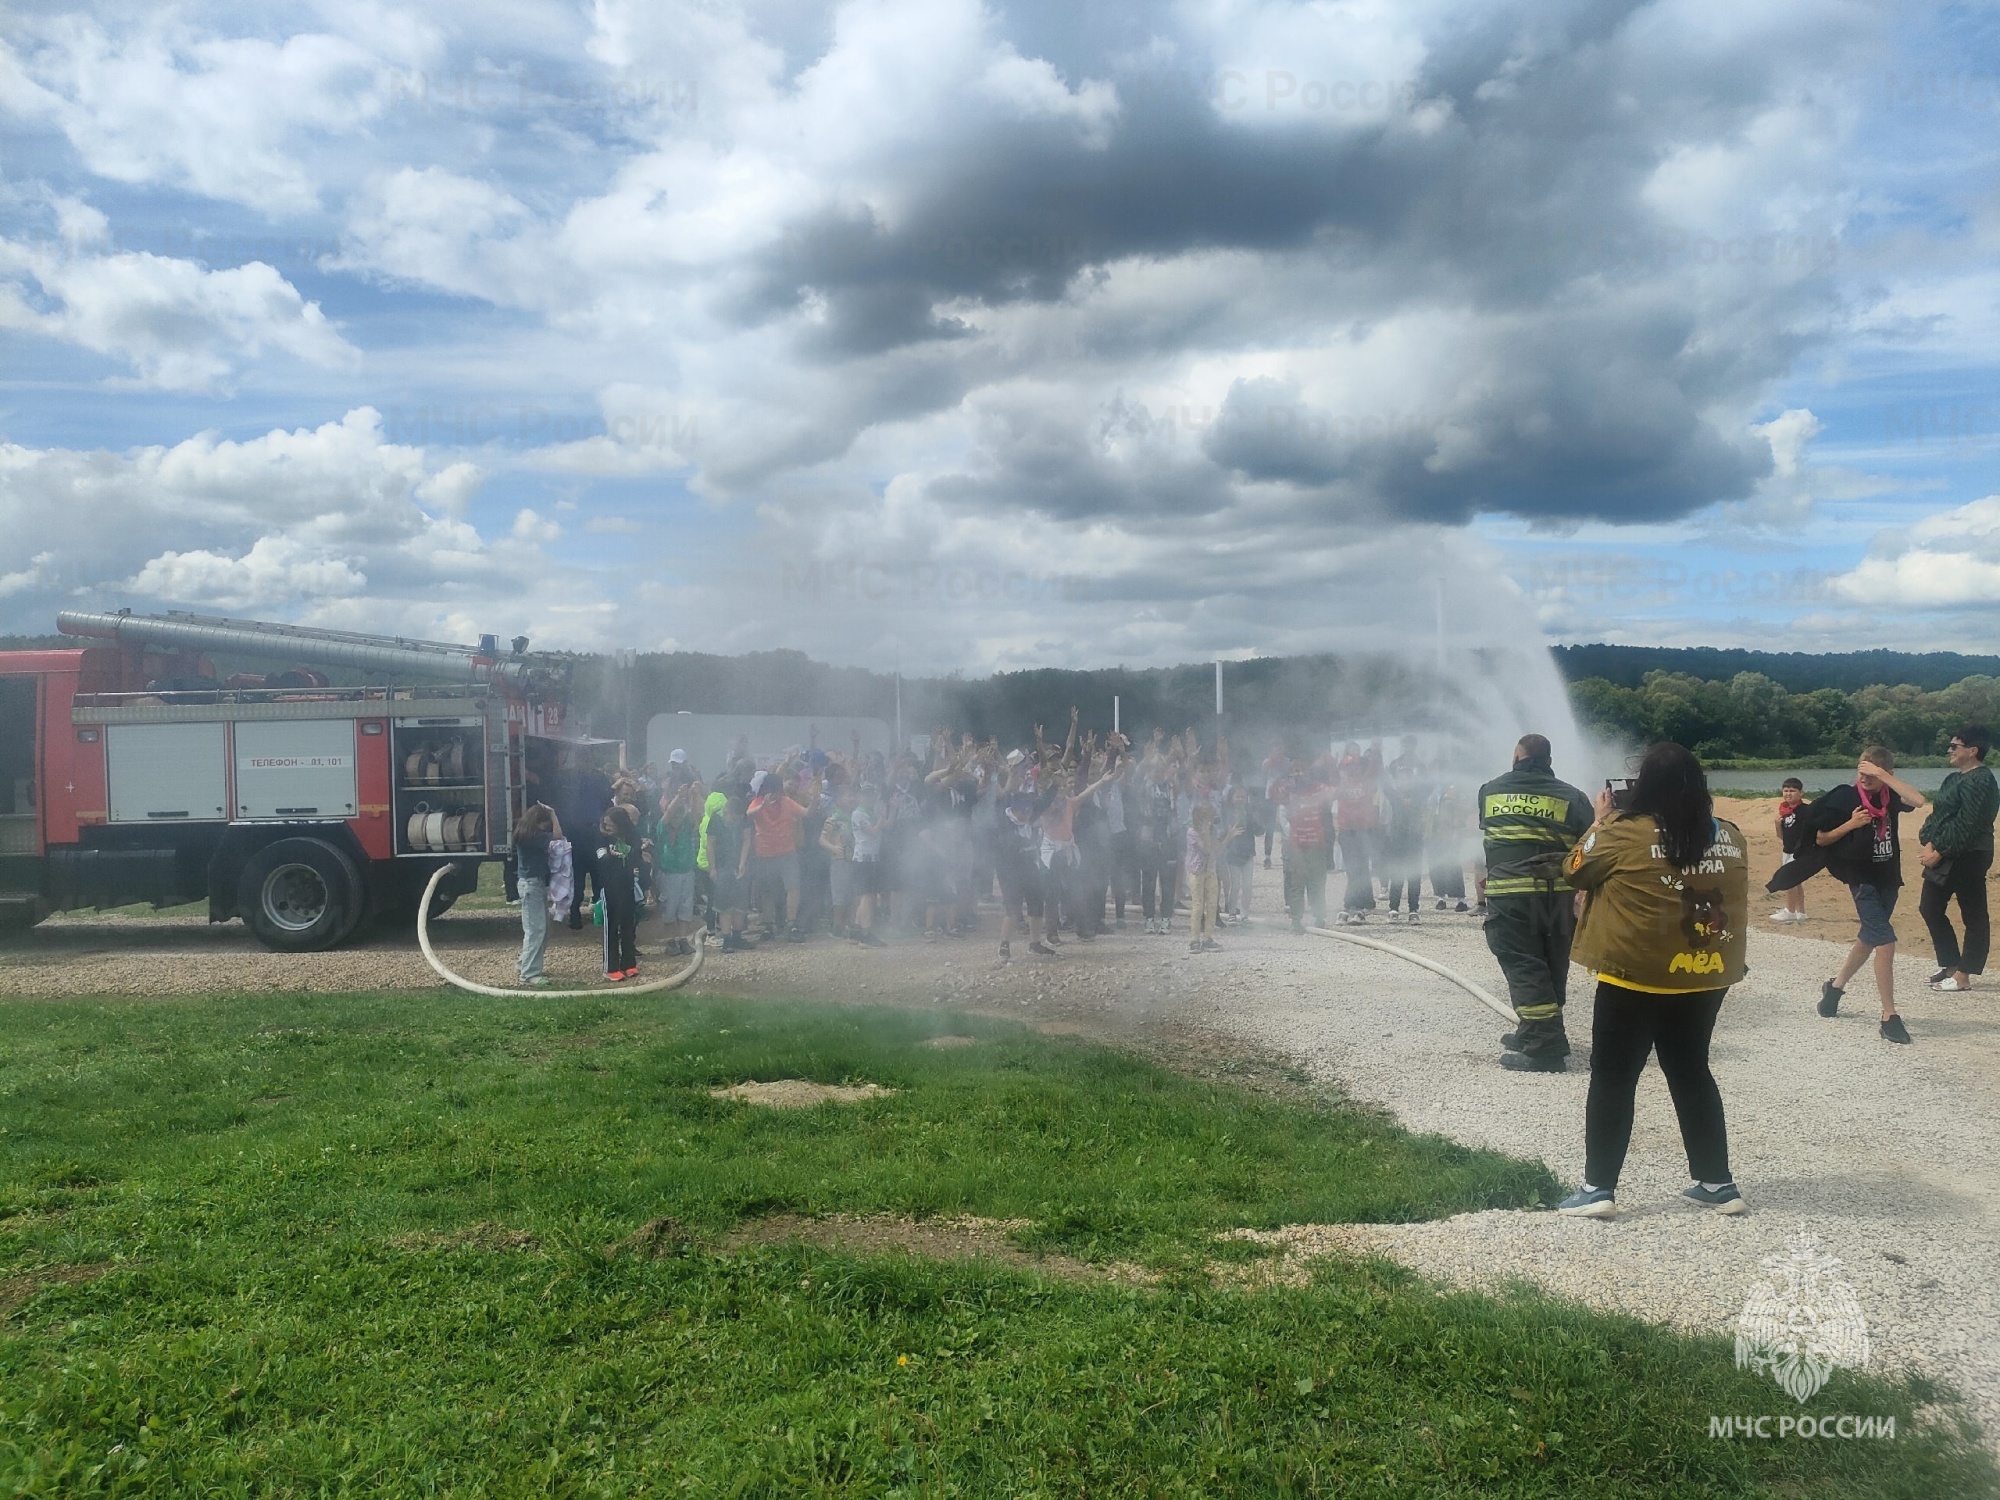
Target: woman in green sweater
x=1957, y=852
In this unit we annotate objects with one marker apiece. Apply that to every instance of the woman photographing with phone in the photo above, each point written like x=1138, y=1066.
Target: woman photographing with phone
x=1666, y=884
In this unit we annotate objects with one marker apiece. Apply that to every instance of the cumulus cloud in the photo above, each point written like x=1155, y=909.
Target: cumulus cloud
x=164, y=102
x=1946, y=561
x=331, y=524
x=176, y=324
x=275, y=571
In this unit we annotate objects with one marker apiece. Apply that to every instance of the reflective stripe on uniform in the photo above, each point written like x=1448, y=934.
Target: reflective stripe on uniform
x=1524, y=885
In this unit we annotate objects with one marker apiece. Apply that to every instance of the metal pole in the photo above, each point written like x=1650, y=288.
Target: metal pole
x=623, y=656
x=1114, y=713
x=899, y=710
x=1218, y=689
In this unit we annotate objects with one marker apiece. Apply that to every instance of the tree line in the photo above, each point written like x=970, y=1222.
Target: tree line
x=1305, y=699
x=1751, y=717
x=1795, y=671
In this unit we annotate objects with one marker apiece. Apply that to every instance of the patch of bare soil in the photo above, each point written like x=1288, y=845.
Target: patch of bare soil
x=943, y=1043
x=799, y=1093
x=656, y=1239
x=18, y=1290
x=961, y=1238
x=489, y=1237
x=1296, y=1247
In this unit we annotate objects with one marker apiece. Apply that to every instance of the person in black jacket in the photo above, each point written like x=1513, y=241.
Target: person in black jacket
x=1957, y=840
x=617, y=850
x=584, y=792
x=1856, y=837
x=1530, y=820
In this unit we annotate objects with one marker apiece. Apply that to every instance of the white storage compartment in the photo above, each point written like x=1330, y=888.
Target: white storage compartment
x=167, y=773
x=295, y=768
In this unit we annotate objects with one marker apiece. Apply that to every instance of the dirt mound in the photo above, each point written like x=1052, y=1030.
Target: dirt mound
x=799, y=1093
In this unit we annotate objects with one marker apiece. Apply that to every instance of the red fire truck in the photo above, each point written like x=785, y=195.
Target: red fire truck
x=130, y=772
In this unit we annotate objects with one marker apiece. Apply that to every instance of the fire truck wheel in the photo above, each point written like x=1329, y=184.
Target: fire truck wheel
x=297, y=895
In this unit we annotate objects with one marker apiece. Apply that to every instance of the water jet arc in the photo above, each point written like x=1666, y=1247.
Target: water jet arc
x=671, y=982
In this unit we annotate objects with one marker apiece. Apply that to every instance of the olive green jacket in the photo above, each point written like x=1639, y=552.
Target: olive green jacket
x=1649, y=926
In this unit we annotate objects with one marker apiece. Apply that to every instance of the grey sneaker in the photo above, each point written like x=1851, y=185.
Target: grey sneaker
x=1893, y=1030
x=1829, y=999
x=1724, y=1200
x=1589, y=1203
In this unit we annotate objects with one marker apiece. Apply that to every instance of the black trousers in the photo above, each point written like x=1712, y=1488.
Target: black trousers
x=1124, y=869
x=1530, y=935
x=1093, y=880
x=1356, y=844
x=1967, y=881
x=621, y=918
x=1626, y=1027
x=1156, y=873
x=1448, y=881
x=1404, y=862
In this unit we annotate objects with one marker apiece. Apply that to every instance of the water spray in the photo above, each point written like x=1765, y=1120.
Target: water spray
x=671, y=982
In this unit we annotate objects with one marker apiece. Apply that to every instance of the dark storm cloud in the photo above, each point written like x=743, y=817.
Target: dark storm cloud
x=1604, y=358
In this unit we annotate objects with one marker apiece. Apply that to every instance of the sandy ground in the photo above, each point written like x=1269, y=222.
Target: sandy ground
x=1886, y=1153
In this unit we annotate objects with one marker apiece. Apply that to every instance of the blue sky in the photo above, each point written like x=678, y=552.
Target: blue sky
x=990, y=336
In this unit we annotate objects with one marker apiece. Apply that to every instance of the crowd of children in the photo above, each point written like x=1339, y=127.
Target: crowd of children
x=1065, y=836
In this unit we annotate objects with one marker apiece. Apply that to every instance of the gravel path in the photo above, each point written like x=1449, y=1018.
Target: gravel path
x=1886, y=1153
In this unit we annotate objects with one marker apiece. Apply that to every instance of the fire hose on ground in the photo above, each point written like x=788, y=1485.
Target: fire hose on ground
x=1505, y=1012
x=671, y=982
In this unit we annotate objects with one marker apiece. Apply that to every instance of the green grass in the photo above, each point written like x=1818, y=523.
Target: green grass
x=260, y=1175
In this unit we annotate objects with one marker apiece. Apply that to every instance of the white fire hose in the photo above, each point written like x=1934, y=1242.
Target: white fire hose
x=1505, y=1012
x=671, y=982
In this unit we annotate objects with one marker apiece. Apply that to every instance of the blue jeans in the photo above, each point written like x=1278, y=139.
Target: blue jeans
x=534, y=926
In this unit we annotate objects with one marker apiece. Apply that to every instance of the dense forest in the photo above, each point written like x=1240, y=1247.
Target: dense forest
x=1749, y=716
x=1794, y=671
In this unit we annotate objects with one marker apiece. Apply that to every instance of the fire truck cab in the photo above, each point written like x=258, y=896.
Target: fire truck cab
x=129, y=773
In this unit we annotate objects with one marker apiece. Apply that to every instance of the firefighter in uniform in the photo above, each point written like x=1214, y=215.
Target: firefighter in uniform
x=1529, y=821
